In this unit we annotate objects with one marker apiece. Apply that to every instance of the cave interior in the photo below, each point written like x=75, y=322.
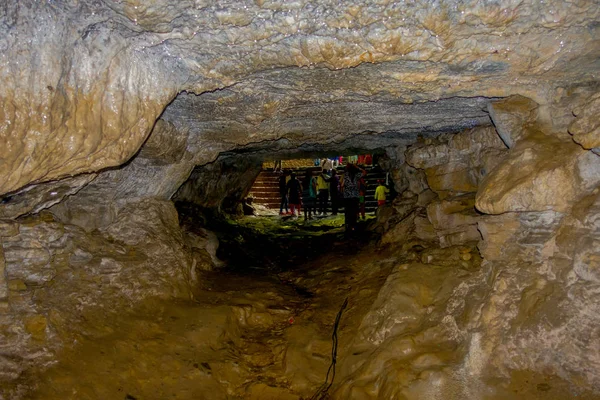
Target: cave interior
x=137, y=262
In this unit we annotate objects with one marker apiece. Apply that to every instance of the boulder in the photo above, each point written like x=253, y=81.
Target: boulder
x=540, y=173
x=454, y=220
x=457, y=163
x=510, y=115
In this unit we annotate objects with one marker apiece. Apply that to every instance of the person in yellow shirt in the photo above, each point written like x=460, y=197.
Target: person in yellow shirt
x=380, y=193
x=323, y=192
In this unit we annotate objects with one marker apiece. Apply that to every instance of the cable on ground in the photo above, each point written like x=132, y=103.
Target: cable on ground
x=321, y=394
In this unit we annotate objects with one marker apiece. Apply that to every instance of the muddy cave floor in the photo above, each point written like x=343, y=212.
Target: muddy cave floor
x=258, y=328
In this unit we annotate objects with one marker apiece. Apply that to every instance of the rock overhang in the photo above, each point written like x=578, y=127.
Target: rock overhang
x=86, y=81
x=257, y=120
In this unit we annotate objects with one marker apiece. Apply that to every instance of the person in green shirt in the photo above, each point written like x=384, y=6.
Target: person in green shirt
x=309, y=194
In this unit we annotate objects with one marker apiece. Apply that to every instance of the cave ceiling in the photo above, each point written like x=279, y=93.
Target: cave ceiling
x=84, y=82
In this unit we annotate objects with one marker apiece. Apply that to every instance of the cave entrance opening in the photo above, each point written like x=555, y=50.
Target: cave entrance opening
x=257, y=230
x=269, y=195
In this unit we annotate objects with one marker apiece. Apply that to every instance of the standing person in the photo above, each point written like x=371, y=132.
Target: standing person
x=277, y=165
x=362, y=193
x=323, y=162
x=323, y=192
x=283, y=193
x=380, y=193
x=350, y=185
x=295, y=194
x=334, y=192
x=327, y=165
x=309, y=195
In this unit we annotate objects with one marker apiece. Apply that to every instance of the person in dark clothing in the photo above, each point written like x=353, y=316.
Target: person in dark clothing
x=309, y=195
x=283, y=193
x=350, y=190
x=362, y=193
x=295, y=193
x=334, y=185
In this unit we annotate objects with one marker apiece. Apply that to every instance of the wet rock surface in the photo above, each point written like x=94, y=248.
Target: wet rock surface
x=552, y=281
x=56, y=274
x=257, y=335
x=479, y=279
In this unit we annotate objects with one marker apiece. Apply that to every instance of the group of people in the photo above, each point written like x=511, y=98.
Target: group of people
x=314, y=192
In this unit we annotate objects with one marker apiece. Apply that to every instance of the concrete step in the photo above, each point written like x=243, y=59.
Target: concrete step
x=266, y=182
x=265, y=193
x=265, y=189
x=264, y=201
x=263, y=181
x=274, y=184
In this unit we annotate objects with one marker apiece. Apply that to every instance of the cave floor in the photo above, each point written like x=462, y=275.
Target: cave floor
x=247, y=334
x=227, y=343
x=244, y=335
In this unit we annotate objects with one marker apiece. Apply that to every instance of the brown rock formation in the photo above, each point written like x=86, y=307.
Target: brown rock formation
x=484, y=114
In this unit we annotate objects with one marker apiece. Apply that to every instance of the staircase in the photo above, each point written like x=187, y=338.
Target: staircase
x=265, y=189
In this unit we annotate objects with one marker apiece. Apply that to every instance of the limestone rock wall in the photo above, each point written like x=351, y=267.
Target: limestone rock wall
x=156, y=172
x=543, y=306
x=530, y=312
x=543, y=171
x=56, y=276
x=585, y=129
x=437, y=179
x=36, y=197
x=541, y=253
